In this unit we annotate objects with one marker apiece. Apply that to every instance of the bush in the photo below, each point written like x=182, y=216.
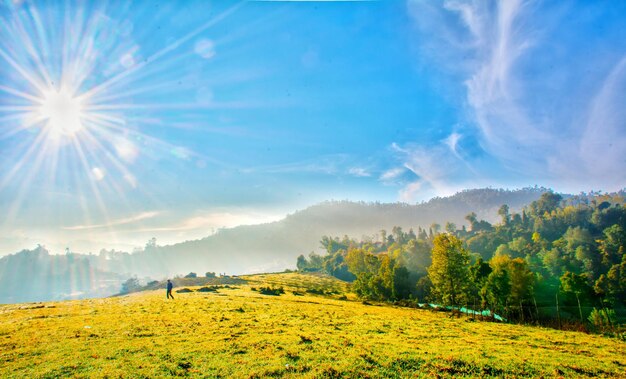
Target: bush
x=271, y=291
x=208, y=289
x=602, y=319
x=209, y=275
x=191, y=275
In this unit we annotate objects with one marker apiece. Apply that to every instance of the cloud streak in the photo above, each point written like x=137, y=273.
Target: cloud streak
x=520, y=91
x=439, y=169
x=210, y=221
x=117, y=222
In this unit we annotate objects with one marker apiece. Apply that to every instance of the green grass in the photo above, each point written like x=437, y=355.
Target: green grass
x=240, y=333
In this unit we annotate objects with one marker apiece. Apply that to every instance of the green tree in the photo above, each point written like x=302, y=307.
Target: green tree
x=401, y=282
x=576, y=284
x=315, y=262
x=522, y=283
x=359, y=260
x=302, y=263
x=478, y=274
x=548, y=202
x=497, y=289
x=612, y=245
x=449, y=269
x=504, y=213
x=450, y=227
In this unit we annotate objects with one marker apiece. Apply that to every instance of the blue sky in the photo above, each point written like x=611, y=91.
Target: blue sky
x=119, y=122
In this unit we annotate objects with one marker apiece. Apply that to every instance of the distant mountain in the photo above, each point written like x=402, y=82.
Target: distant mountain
x=36, y=275
x=275, y=246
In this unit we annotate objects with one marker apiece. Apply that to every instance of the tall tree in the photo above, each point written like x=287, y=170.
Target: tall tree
x=576, y=284
x=449, y=269
x=504, y=213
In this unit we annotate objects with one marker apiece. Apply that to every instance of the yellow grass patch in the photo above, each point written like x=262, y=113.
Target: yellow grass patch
x=240, y=333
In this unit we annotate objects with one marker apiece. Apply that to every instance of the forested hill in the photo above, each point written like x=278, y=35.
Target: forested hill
x=274, y=246
x=244, y=249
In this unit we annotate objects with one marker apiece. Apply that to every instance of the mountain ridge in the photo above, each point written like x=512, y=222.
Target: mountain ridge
x=259, y=248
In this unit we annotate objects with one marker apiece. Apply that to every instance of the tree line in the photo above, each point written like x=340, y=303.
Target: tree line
x=557, y=259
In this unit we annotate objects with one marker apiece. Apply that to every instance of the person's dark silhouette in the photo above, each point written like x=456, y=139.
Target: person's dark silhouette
x=169, y=289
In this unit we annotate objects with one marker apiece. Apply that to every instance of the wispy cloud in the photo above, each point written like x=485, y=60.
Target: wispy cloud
x=327, y=165
x=453, y=143
x=439, y=169
x=603, y=143
x=393, y=173
x=117, y=222
x=359, y=172
x=519, y=98
x=208, y=222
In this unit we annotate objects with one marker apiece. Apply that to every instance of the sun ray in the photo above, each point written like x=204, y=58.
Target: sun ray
x=147, y=89
x=26, y=157
x=19, y=93
x=22, y=71
x=172, y=46
x=94, y=189
x=28, y=42
x=77, y=118
x=29, y=175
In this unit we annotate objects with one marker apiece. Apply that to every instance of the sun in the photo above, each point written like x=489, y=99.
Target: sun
x=61, y=112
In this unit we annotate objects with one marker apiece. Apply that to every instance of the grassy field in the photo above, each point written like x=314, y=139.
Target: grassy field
x=239, y=333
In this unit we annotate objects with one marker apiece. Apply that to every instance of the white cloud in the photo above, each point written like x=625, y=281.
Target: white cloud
x=359, y=172
x=434, y=166
x=452, y=142
x=440, y=169
x=603, y=143
x=205, y=48
x=393, y=173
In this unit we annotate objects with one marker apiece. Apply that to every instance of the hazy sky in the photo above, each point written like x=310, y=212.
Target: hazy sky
x=125, y=120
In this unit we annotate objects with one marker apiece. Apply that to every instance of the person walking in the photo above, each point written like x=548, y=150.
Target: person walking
x=169, y=289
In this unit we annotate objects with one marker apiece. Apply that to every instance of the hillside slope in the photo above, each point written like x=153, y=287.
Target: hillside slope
x=239, y=333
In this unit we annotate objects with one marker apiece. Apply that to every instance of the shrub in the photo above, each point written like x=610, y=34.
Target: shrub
x=602, y=318
x=208, y=289
x=191, y=275
x=271, y=291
